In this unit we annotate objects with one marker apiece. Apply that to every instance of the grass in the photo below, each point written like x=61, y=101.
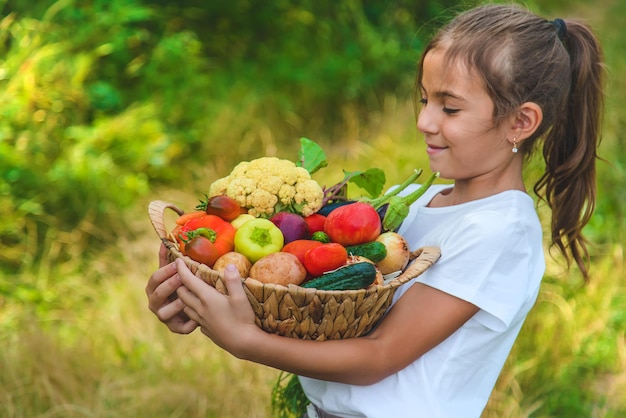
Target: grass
x=79, y=341
x=106, y=356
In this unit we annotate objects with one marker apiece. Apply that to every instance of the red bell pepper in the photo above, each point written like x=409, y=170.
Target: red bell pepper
x=219, y=233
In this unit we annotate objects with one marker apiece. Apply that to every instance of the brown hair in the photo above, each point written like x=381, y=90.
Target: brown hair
x=522, y=57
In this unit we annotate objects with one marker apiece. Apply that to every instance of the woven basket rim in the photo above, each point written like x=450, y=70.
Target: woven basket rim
x=298, y=312
x=424, y=256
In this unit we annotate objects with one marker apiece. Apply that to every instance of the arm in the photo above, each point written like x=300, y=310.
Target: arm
x=421, y=319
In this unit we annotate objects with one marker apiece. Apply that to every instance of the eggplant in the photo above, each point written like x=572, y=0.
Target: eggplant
x=329, y=207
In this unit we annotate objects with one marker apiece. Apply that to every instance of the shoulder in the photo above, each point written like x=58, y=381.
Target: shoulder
x=495, y=232
x=502, y=209
x=495, y=218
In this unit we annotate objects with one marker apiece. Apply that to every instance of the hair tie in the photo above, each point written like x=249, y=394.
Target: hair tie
x=561, y=28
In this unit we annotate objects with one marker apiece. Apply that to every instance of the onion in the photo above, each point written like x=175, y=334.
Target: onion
x=397, y=252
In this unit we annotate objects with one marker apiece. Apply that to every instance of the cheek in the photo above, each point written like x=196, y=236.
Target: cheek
x=469, y=148
x=458, y=137
x=473, y=133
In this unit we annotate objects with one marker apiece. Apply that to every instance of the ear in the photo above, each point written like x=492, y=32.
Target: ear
x=526, y=121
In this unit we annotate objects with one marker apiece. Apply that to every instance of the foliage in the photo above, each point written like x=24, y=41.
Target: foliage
x=108, y=103
x=64, y=169
x=287, y=397
x=102, y=100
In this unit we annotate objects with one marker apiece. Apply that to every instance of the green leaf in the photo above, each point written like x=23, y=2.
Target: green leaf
x=311, y=156
x=288, y=398
x=371, y=180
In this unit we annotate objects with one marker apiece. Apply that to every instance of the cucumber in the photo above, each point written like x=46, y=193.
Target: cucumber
x=374, y=251
x=349, y=277
x=320, y=236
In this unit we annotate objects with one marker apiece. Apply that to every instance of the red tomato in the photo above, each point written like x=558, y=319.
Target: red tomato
x=353, y=224
x=300, y=247
x=315, y=222
x=325, y=257
x=202, y=250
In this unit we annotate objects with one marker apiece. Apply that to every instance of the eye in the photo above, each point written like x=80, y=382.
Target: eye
x=423, y=101
x=450, y=111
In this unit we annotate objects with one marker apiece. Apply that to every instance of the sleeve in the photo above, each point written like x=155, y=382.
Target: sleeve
x=487, y=260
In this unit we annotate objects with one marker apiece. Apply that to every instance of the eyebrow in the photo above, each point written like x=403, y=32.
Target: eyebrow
x=444, y=94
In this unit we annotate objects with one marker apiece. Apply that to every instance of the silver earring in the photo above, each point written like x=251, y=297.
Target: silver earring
x=514, y=146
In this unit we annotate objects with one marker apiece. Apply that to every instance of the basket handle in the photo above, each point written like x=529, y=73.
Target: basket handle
x=420, y=260
x=156, y=211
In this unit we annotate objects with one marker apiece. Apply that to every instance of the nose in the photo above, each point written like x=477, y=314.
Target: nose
x=426, y=120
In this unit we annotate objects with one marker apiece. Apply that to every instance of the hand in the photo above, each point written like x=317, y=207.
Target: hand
x=162, y=301
x=228, y=320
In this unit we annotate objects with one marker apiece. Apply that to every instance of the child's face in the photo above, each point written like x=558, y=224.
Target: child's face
x=456, y=118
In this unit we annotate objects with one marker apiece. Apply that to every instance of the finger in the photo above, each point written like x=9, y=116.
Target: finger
x=192, y=282
x=192, y=314
x=234, y=285
x=161, y=294
x=168, y=311
x=186, y=327
x=163, y=254
x=181, y=323
x=160, y=276
x=187, y=297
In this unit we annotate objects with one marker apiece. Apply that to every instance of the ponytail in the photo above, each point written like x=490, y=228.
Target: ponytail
x=569, y=182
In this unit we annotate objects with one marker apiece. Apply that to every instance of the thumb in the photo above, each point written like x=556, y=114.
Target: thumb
x=232, y=280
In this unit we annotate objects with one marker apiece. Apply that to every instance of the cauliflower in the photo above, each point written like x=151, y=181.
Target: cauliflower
x=307, y=194
x=269, y=185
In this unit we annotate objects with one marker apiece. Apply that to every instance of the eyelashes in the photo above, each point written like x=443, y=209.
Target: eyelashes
x=447, y=110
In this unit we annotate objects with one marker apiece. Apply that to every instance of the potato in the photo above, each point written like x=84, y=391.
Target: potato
x=239, y=260
x=279, y=268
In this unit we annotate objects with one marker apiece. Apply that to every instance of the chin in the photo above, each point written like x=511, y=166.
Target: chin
x=443, y=174
x=435, y=167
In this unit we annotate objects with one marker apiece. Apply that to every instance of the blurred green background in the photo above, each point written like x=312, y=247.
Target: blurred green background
x=108, y=104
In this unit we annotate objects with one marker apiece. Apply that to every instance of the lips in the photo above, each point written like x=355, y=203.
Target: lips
x=432, y=149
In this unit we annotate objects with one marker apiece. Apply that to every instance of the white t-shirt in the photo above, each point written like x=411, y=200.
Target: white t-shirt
x=492, y=256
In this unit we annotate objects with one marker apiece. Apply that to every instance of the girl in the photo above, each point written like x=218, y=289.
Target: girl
x=495, y=84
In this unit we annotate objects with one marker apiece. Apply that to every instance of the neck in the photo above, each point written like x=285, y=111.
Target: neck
x=467, y=190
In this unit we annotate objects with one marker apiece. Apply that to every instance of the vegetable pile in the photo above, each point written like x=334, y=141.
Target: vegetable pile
x=276, y=224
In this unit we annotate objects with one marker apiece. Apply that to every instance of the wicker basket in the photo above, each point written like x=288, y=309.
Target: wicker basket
x=294, y=311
